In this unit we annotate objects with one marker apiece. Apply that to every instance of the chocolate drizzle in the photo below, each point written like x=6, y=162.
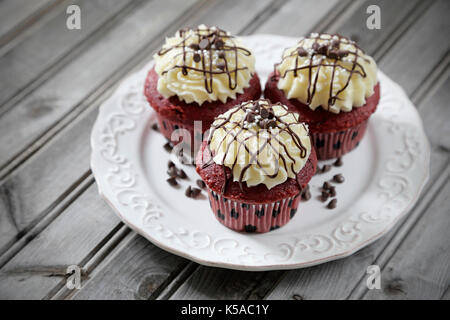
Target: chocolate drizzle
x=259, y=117
x=206, y=43
x=328, y=48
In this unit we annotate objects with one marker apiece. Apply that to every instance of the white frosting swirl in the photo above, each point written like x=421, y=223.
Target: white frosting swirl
x=235, y=143
x=356, y=89
x=191, y=87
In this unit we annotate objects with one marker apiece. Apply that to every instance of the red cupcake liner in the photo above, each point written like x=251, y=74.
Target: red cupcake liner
x=329, y=145
x=193, y=137
x=260, y=218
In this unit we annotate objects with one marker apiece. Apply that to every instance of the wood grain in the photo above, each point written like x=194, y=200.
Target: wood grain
x=68, y=240
x=57, y=96
x=52, y=162
x=51, y=215
x=338, y=279
x=16, y=14
x=196, y=287
x=419, y=269
x=52, y=46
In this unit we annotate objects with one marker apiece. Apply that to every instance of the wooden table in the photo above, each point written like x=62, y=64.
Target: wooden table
x=53, y=81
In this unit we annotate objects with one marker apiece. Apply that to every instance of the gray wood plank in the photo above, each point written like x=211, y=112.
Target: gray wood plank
x=13, y=13
x=124, y=281
x=234, y=286
x=45, y=47
x=420, y=267
x=50, y=163
x=418, y=52
x=71, y=237
x=297, y=17
x=195, y=287
x=39, y=111
x=25, y=196
x=338, y=279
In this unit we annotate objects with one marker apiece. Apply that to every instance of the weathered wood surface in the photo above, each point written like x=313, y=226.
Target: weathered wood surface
x=50, y=212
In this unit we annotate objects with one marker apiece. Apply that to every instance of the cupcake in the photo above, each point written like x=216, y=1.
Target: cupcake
x=255, y=164
x=333, y=85
x=199, y=74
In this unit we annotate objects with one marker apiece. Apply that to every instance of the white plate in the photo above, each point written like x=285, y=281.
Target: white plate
x=384, y=177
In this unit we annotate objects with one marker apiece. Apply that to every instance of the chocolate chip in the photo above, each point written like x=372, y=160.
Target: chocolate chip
x=335, y=43
x=197, y=57
x=168, y=147
x=204, y=44
x=302, y=52
x=220, y=65
x=332, y=191
x=221, y=54
x=218, y=44
x=264, y=113
x=326, y=185
x=315, y=46
x=306, y=195
x=326, y=168
x=250, y=117
x=271, y=124
x=342, y=53
x=195, y=192
x=155, y=127
x=172, y=172
x=338, y=162
x=181, y=174
x=194, y=46
x=332, y=204
x=262, y=123
x=324, y=196
x=172, y=181
x=188, y=192
x=333, y=54
x=201, y=184
x=339, y=178
x=170, y=164
x=323, y=48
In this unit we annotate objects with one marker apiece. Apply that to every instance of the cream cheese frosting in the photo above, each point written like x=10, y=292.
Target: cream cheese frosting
x=326, y=70
x=203, y=64
x=260, y=142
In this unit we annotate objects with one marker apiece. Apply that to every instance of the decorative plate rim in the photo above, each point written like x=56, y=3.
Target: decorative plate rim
x=122, y=113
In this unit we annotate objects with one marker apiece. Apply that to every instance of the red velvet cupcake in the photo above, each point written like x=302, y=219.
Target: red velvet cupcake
x=256, y=163
x=199, y=74
x=333, y=85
